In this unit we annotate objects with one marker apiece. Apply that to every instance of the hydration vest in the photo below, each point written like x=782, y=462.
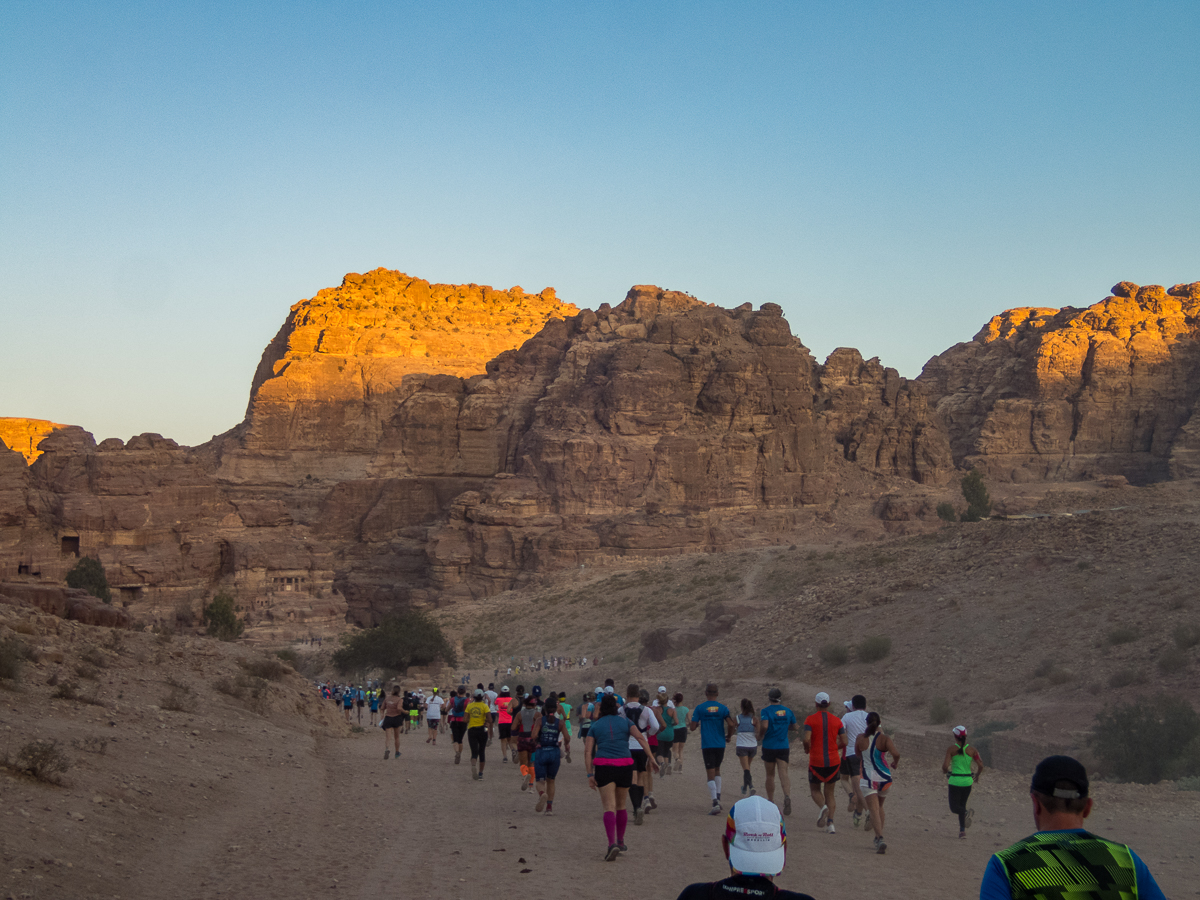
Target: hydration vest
x=1053, y=865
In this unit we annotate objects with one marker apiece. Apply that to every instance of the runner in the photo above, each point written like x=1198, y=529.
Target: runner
x=414, y=713
x=522, y=722
x=747, y=744
x=375, y=696
x=610, y=768
x=478, y=718
x=664, y=708
x=433, y=716
x=565, y=714
x=393, y=718
x=824, y=738
x=646, y=722
x=490, y=695
x=457, y=714
x=681, y=731
x=774, y=727
x=546, y=731
x=587, y=711
x=871, y=745
x=347, y=701
x=504, y=720
x=360, y=700
x=961, y=773
x=716, y=726
x=855, y=723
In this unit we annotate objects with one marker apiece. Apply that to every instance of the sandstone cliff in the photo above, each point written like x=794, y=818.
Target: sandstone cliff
x=24, y=435
x=1075, y=393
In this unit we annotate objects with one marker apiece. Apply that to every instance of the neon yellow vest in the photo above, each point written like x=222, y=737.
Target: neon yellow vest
x=1069, y=865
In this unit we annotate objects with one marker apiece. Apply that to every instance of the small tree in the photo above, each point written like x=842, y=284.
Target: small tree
x=405, y=638
x=946, y=512
x=220, y=618
x=979, y=504
x=88, y=575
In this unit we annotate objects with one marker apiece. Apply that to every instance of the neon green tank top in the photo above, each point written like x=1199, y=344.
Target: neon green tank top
x=1069, y=865
x=960, y=769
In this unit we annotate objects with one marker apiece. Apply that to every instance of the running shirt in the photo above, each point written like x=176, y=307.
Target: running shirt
x=711, y=715
x=644, y=719
x=433, y=709
x=504, y=710
x=825, y=728
x=611, y=735
x=874, y=766
x=745, y=731
x=491, y=696
x=855, y=723
x=681, y=718
x=548, y=736
x=779, y=721
x=477, y=714
x=524, y=721
x=960, y=767
x=667, y=732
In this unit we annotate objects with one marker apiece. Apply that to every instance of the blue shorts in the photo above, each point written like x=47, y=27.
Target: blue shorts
x=546, y=762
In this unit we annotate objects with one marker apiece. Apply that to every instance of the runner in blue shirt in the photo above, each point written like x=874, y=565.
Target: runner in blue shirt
x=716, y=727
x=775, y=723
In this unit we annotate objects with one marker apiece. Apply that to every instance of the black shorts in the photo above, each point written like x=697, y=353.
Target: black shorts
x=433, y=723
x=664, y=747
x=361, y=704
x=823, y=774
x=621, y=776
x=457, y=730
x=505, y=730
x=680, y=736
x=713, y=756
x=392, y=722
x=770, y=755
x=852, y=766
x=639, y=759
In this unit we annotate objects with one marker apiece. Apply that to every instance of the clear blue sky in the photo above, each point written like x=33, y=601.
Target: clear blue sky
x=174, y=175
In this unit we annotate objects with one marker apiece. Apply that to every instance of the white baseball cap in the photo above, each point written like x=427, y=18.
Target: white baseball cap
x=756, y=836
x=608, y=689
x=847, y=704
x=822, y=697
x=960, y=731
x=662, y=689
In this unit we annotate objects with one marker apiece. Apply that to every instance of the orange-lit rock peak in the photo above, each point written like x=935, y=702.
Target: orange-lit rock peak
x=23, y=435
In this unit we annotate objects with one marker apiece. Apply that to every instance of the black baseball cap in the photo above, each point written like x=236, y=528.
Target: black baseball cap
x=1054, y=769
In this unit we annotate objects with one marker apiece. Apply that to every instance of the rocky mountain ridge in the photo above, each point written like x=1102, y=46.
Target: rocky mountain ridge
x=537, y=437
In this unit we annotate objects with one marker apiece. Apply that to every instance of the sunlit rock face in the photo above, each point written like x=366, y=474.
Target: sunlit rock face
x=24, y=435
x=1075, y=393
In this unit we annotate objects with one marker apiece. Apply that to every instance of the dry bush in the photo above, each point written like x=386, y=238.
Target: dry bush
x=66, y=690
x=874, y=648
x=13, y=653
x=44, y=760
x=1125, y=677
x=1124, y=634
x=940, y=711
x=834, y=654
x=94, y=656
x=269, y=669
x=87, y=671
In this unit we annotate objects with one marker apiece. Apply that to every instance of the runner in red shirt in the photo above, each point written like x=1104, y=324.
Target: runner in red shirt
x=824, y=739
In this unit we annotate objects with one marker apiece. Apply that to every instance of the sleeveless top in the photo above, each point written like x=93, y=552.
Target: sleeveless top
x=667, y=732
x=874, y=767
x=611, y=736
x=528, y=714
x=960, y=768
x=745, y=732
x=1053, y=865
x=548, y=736
x=503, y=711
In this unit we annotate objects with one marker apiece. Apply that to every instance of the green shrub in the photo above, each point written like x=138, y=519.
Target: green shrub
x=268, y=669
x=289, y=656
x=874, y=648
x=979, y=504
x=834, y=654
x=12, y=654
x=940, y=711
x=981, y=737
x=1148, y=742
x=403, y=639
x=946, y=512
x=180, y=697
x=1188, y=783
x=87, y=672
x=1186, y=636
x=1124, y=678
x=88, y=575
x=1173, y=661
x=66, y=690
x=1123, y=634
x=220, y=618
x=44, y=760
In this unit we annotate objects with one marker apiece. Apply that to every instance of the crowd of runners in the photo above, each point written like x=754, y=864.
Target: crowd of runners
x=631, y=738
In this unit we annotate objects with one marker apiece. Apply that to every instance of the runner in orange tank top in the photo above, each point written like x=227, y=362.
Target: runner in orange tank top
x=504, y=719
x=824, y=738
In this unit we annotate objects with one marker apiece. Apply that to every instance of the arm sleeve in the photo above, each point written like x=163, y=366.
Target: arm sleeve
x=995, y=884
x=1148, y=888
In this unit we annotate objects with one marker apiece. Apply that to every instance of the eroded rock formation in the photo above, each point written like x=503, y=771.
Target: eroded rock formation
x=1076, y=393
x=24, y=435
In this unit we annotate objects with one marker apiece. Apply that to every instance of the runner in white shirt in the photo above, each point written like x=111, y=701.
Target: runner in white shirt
x=643, y=717
x=490, y=696
x=855, y=723
x=433, y=715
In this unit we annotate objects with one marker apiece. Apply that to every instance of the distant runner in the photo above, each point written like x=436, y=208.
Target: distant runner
x=433, y=716
x=747, y=743
x=963, y=767
x=872, y=745
x=548, y=729
x=824, y=739
x=681, y=731
x=457, y=714
x=504, y=716
x=774, y=727
x=855, y=723
x=479, y=731
x=716, y=726
x=393, y=718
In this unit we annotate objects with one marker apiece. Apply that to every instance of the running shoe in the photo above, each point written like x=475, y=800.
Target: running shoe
x=504, y=759
x=387, y=754
x=568, y=756
x=457, y=756
x=961, y=835
x=970, y=816
x=639, y=815
x=867, y=823
x=613, y=851
x=621, y=846
x=650, y=802
x=745, y=789
x=716, y=809
x=787, y=806
x=524, y=784
x=857, y=819
x=830, y=829
x=753, y=792
x=821, y=818
x=880, y=845
x=541, y=804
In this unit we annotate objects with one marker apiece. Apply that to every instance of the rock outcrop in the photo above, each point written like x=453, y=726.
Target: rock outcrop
x=24, y=435
x=1076, y=393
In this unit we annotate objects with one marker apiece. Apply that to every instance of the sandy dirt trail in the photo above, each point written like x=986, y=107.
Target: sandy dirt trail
x=336, y=819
